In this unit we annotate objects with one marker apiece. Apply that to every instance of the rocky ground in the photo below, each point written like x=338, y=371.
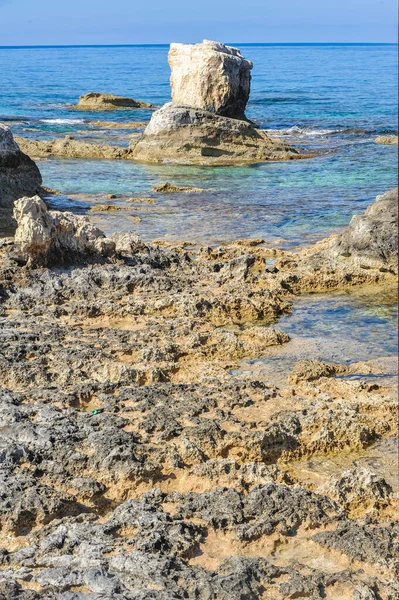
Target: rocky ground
x=135, y=466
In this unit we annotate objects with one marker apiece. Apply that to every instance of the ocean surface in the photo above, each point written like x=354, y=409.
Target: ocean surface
x=333, y=98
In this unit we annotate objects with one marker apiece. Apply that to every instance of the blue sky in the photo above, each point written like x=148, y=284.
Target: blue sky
x=41, y=22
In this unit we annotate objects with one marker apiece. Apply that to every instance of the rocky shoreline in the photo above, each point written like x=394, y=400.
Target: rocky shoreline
x=137, y=462
x=136, y=467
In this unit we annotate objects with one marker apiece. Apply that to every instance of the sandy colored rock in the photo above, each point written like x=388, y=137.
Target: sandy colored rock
x=99, y=101
x=44, y=236
x=68, y=147
x=183, y=135
x=119, y=124
x=107, y=208
x=360, y=490
x=210, y=76
x=387, y=140
x=137, y=464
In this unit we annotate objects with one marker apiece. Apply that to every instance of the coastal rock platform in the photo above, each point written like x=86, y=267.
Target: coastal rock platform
x=136, y=466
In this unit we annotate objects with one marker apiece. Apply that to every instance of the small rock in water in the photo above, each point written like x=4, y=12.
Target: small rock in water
x=169, y=188
x=99, y=101
x=107, y=208
x=387, y=140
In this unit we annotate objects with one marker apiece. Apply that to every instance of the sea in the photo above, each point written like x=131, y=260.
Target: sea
x=331, y=98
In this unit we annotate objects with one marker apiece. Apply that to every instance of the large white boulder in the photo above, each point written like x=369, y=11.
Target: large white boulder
x=210, y=76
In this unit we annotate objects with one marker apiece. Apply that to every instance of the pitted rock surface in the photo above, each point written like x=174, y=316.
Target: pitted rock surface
x=135, y=466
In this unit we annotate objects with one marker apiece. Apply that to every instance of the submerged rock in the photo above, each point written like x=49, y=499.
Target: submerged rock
x=18, y=175
x=210, y=76
x=180, y=134
x=99, y=101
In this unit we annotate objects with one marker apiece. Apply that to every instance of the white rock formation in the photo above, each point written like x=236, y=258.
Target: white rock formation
x=210, y=76
x=44, y=236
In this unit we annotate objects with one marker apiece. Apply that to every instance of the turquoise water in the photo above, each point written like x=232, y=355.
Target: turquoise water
x=334, y=98
x=344, y=328
x=337, y=98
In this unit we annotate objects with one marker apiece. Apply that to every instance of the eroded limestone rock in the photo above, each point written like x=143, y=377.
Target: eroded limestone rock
x=99, y=101
x=44, y=236
x=135, y=465
x=371, y=239
x=68, y=147
x=180, y=134
x=210, y=76
x=387, y=140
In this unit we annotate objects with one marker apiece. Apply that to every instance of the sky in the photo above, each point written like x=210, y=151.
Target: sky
x=59, y=22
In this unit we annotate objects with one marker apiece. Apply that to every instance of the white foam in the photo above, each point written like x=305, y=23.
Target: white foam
x=301, y=131
x=63, y=121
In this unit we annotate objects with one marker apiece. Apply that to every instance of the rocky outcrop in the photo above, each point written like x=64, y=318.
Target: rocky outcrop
x=43, y=236
x=371, y=239
x=205, y=123
x=99, y=101
x=210, y=76
x=364, y=252
x=18, y=176
x=68, y=147
x=186, y=135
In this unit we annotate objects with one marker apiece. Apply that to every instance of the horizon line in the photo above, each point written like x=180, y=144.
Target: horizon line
x=15, y=47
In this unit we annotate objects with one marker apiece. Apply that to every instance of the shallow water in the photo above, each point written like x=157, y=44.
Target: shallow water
x=342, y=328
x=333, y=98
x=381, y=458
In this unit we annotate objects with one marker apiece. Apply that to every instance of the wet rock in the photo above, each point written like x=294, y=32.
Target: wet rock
x=210, y=76
x=99, y=101
x=310, y=370
x=185, y=135
x=107, y=208
x=169, y=188
x=18, y=176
